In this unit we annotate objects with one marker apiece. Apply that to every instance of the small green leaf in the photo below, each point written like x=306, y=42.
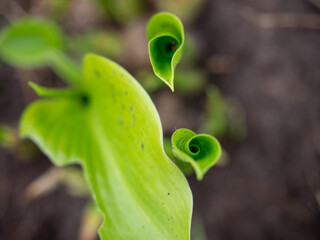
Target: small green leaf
x=216, y=121
x=29, y=42
x=202, y=151
x=7, y=136
x=224, y=117
x=122, y=11
x=166, y=38
x=116, y=136
x=107, y=43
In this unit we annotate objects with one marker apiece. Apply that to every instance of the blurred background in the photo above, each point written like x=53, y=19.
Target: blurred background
x=250, y=75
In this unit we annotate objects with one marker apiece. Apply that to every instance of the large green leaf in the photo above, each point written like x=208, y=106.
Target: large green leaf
x=202, y=151
x=113, y=130
x=166, y=38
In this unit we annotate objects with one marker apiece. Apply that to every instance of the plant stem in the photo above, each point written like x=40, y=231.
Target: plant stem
x=66, y=68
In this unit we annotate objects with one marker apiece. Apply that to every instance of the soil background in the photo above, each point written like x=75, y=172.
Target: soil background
x=270, y=188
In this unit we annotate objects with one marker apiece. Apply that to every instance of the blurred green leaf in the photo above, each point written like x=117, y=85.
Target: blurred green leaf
x=123, y=10
x=202, y=151
x=216, y=121
x=116, y=136
x=187, y=82
x=190, y=81
x=109, y=44
x=149, y=81
x=166, y=38
x=33, y=42
x=7, y=136
x=30, y=42
x=198, y=231
x=58, y=8
x=187, y=10
x=225, y=117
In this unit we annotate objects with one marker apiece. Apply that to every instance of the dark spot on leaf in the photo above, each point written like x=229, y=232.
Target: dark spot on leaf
x=126, y=92
x=142, y=146
x=97, y=73
x=120, y=121
x=168, y=194
x=84, y=99
x=133, y=117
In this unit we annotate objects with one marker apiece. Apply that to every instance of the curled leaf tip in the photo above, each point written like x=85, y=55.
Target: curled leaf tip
x=202, y=151
x=166, y=38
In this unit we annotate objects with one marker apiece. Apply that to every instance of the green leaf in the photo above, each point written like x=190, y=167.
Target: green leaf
x=123, y=11
x=224, y=117
x=166, y=38
x=202, y=151
x=35, y=42
x=107, y=43
x=216, y=122
x=7, y=136
x=28, y=42
x=57, y=92
x=186, y=10
x=185, y=167
x=116, y=136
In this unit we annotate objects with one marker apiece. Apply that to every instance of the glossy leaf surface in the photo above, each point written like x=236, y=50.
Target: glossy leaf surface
x=113, y=130
x=166, y=38
x=202, y=151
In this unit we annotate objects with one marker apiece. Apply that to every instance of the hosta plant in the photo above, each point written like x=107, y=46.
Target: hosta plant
x=106, y=122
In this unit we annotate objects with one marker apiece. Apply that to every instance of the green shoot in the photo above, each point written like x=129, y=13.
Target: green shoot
x=202, y=151
x=166, y=38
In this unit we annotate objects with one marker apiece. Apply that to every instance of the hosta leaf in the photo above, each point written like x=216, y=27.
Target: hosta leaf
x=28, y=42
x=202, y=151
x=35, y=42
x=58, y=92
x=116, y=135
x=166, y=38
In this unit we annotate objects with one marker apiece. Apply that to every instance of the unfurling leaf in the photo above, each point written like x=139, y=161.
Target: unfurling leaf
x=166, y=38
x=113, y=130
x=202, y=151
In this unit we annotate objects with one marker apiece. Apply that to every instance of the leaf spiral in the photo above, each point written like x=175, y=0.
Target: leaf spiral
x=202, y=151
